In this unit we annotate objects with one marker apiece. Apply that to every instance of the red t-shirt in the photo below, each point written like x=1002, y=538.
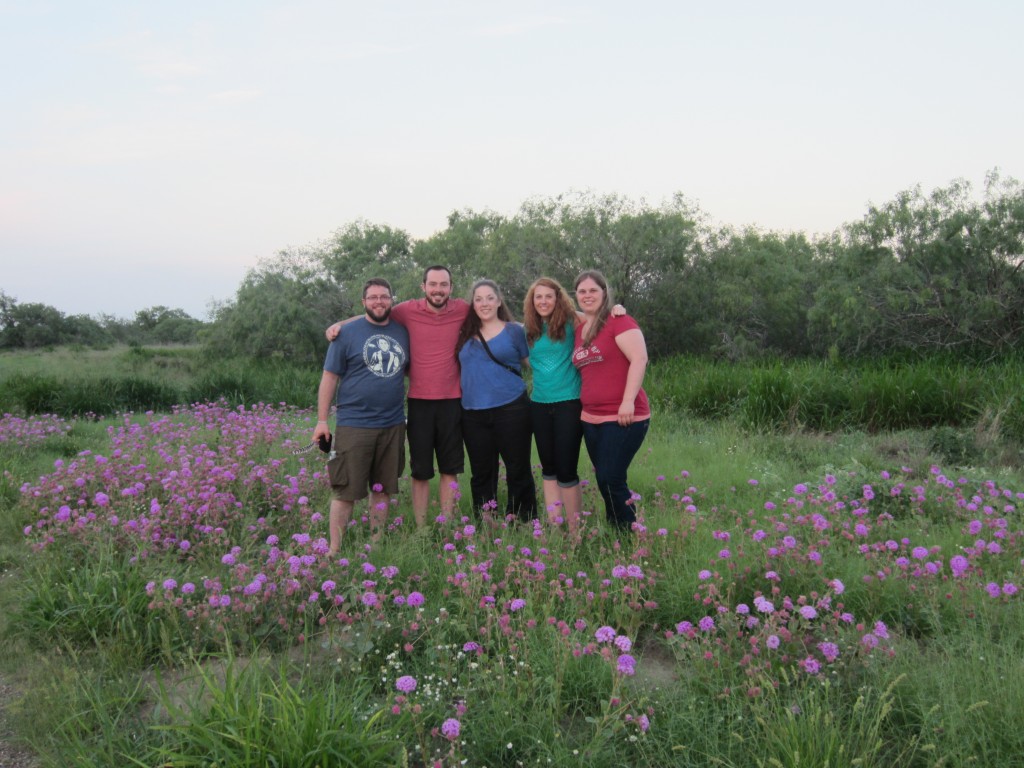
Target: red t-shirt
x=433, y=367
x=603, y=369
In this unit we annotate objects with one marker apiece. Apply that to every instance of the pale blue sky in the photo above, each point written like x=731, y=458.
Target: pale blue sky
x=151, y=152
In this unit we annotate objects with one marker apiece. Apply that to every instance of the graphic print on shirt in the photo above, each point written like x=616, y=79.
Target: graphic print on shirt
x=384, y=356
x=583, y=356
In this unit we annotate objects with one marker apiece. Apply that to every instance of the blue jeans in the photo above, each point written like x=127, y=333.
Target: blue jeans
x=612, y=448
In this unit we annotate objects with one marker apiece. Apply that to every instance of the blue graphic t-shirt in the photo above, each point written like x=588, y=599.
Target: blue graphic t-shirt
x=371, y=361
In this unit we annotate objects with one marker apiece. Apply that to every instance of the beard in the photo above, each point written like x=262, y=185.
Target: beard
x=435, y=302
x=379, y=315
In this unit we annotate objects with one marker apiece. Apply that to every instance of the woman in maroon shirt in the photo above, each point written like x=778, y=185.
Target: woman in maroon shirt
x=611, y=356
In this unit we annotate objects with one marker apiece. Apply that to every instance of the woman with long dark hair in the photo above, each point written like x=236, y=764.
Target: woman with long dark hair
x=492, y=350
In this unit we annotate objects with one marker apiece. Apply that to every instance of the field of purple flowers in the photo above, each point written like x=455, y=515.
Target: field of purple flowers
x=844, y=619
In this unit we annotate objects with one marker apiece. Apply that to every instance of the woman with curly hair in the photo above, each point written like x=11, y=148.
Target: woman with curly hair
x=550, y=321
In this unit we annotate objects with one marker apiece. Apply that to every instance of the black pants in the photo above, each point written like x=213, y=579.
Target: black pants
x=558, y=432
x=502, y=432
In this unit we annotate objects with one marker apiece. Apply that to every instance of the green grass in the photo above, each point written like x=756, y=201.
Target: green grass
x=153, y=687
x=203, y=711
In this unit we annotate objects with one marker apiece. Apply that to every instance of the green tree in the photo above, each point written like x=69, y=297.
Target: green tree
x=30, y=325
x=362, y=250
x=87, y=331
x=924, y=274
x=161, y=325
x=464, y=247
x=644, y=252
x=279, y=311
x=748, y=295
x=283, y=305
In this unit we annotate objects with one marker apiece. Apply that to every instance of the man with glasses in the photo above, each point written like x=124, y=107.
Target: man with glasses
x=435, y=405
x=367, y=359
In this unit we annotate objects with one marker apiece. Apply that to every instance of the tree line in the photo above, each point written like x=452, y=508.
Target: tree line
x=34, y=325
x=924, y=273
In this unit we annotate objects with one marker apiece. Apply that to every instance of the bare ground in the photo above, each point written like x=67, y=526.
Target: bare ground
x=12, y=755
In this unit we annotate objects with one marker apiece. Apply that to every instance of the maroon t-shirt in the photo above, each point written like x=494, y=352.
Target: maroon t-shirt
x=433, y=367
x=603, y=369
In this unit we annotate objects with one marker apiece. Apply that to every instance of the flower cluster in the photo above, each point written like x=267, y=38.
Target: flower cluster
x=229, y=527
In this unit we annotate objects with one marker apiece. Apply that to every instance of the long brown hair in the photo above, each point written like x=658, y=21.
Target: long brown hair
x=471, y=325
x=606, y=306
x=563, y=315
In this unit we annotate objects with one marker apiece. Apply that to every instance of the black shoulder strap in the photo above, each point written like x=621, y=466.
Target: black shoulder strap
x=491, y=355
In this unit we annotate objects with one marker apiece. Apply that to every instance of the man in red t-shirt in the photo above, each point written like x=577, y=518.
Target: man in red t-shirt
x=435, y=409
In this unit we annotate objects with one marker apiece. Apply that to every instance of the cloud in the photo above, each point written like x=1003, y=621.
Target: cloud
x=154, y=58
x=237, y=96
x=367, y=51
x=521, y=26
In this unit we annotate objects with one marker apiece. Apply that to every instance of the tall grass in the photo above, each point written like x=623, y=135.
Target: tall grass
x=829, y=397
x=250, y=712
x=764, y=396
x=107, y=382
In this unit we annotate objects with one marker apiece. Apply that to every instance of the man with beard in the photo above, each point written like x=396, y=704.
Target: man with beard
x=435, y=406
x=368, y=359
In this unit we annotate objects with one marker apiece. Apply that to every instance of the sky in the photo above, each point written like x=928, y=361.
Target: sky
x=151, y=153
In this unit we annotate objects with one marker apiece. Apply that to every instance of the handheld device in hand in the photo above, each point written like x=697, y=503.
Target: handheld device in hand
x=325, y=443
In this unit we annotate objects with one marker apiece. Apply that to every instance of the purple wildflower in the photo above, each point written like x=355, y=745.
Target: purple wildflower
x=451, y=728
x=406, y=684
x=626, y=665
x=829, y=650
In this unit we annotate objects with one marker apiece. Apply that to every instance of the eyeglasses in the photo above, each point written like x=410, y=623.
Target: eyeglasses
x=372, y=299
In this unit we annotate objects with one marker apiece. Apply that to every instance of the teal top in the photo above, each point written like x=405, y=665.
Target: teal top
x=555, y=378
